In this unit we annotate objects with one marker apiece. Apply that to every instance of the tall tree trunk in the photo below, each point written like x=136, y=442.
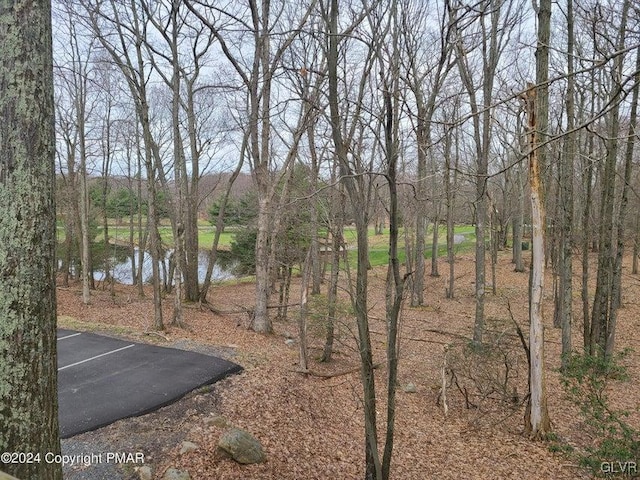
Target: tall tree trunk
x=180, y=173
x=450, y=186
x=395, y=282
x=417, y=294
x=601, y=325
x=616, y=292
x=537, y=421
x=518, y=224
x=142, y=234
x=106, y=172
x=83, y=200
x=586, y=223
x=28, y=395
x=261, y=320
x=219, y=228
x=354, y=189
x=437, y=205
x=566, y=166
x=133, y=68
x=435, y=243
x=316, y=276
x=338, y=201
x=636, y=247
x=303, y=314
x=493, y=243
x=482, y=127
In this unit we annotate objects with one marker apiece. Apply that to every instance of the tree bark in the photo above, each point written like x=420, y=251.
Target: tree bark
x=356, y=195
x=338, y=201
x=537, y=421
x=616, y=288
x=636, y=247
x=604, y=303
x=565, y=267
x=28, y=393
x=518, y=224
x=395, y=282
x=492, y=37
x=450, y=186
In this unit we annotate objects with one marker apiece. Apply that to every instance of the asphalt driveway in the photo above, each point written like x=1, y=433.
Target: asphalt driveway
x=103, y=379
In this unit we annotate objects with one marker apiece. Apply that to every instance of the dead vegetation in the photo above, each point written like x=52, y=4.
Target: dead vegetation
x=311, y=424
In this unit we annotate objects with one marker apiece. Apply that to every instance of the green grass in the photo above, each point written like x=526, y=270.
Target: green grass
x=121, y=232
x=378, y=244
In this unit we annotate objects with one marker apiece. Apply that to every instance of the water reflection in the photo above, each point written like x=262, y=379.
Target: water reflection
x=120, y=268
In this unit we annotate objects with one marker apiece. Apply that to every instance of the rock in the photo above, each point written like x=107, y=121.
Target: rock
x=188, y=447
x=175, y=474
x=458, y=238
x=145, y=473
x=6, y=476
x=410, y=388
x=217, y=420
x=242, y=446
x=289, y=341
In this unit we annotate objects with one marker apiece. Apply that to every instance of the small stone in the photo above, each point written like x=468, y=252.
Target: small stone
x=242, y=446
x=216, y=420
x=289, y=341
x=410, y=388
x=175, y=474
x=145, y=473
x=188, y=447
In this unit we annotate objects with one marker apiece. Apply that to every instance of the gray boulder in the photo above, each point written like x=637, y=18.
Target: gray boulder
x=188, y=447
x=145, y=473
x=410, y=388
x=242, y=446
x=175, y=474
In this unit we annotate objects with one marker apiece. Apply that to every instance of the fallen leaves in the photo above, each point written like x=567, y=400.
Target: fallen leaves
x=311, y=426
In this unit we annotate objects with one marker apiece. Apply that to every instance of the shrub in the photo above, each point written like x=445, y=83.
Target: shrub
x=586, y=379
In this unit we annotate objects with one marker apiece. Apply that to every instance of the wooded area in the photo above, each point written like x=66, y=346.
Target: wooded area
x=290, y=124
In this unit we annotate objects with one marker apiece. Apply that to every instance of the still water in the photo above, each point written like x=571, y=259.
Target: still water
x=120, y=268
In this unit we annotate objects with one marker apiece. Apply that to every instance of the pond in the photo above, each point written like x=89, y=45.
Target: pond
x=118, y=259
x=120, y=268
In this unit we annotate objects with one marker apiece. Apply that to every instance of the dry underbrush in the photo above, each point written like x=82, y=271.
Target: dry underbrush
x=311, y=425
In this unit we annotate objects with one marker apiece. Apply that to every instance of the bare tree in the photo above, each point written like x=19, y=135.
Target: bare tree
x=120, y=29
x=451, y=185
x=537, y=421
x=566, y=166
x=358, y=194
x=494, y=23
x=261, y=26
x=603, y=317
x=73, y=73
x=428, y=62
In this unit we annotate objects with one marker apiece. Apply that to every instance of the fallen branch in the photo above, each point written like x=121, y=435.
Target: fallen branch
x=241, y=308
x=443, y=390
x=151, y=332
x=520, y=333
x=430, y=330
x=327, y=376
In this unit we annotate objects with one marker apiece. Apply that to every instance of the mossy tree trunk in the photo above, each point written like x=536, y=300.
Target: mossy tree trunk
x=28, y=391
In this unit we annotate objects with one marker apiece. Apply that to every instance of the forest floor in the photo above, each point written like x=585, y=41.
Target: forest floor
x=311, y=426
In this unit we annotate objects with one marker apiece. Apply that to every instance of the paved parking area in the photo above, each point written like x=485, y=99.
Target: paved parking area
x=103, y=379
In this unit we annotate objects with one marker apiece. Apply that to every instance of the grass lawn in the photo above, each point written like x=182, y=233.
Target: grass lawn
x=378, y=244
x=121, y=232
